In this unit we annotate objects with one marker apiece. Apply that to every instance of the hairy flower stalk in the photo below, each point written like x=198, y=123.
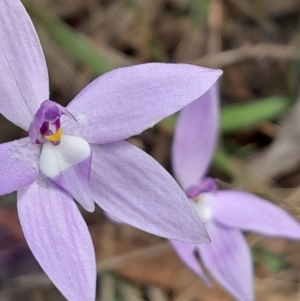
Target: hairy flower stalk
x=225, y=213
x=79, y=152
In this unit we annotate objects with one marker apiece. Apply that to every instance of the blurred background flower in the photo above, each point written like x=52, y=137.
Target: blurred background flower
x=225, y=213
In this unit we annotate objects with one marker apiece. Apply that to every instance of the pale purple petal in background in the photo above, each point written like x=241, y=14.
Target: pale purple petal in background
x=18, y=165
x=59, y=239
x=228, y=259
x=126, y=101
x=131, y=186
x=24, y=76
x=186, y=252
x=249, y=212
x=195, y=138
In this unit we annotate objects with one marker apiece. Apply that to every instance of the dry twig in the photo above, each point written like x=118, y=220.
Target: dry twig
x=249, y=52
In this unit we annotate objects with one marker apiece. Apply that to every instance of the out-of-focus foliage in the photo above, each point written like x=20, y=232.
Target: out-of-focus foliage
x=75, y=43
x=238, y=117
x=235, y=118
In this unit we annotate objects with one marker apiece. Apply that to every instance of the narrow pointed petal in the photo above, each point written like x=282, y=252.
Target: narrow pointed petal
x=195, y=138
x=132, y=187
x=249, y=212
x=24, y=76
x=68, y=165
x=228, y=259
x=19, y=165
x=126, y=101
x=59, y=239
x=186, y=252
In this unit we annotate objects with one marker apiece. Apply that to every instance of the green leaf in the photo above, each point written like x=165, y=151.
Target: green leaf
x=238, y=117
x=235, y=118
x=8, y=199
x=199, y=12
x=242, y=152
x=273, y=261
x=224, y=162
x=123, y=289
x=77, y=44
x=169, y=123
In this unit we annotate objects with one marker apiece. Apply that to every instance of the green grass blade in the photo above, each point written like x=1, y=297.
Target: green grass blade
x=225, y=162
x=199, y=12
x=79, y=46
x=235, y=118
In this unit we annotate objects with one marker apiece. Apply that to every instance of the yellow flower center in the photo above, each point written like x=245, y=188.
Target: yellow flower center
x=55, y=137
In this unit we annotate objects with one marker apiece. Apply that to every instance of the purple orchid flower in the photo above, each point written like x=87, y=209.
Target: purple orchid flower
x=79, y=153
x=225, y=213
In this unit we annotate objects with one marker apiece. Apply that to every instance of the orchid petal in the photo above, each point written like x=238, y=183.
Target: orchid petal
x=228, y=259
x=126, y=101
x=186, y=252
x=132, y=187
x=249, y=212
x=68, y=165
x=59, y=239
x=19, y=165
x=24, y=76
x=195, y=138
